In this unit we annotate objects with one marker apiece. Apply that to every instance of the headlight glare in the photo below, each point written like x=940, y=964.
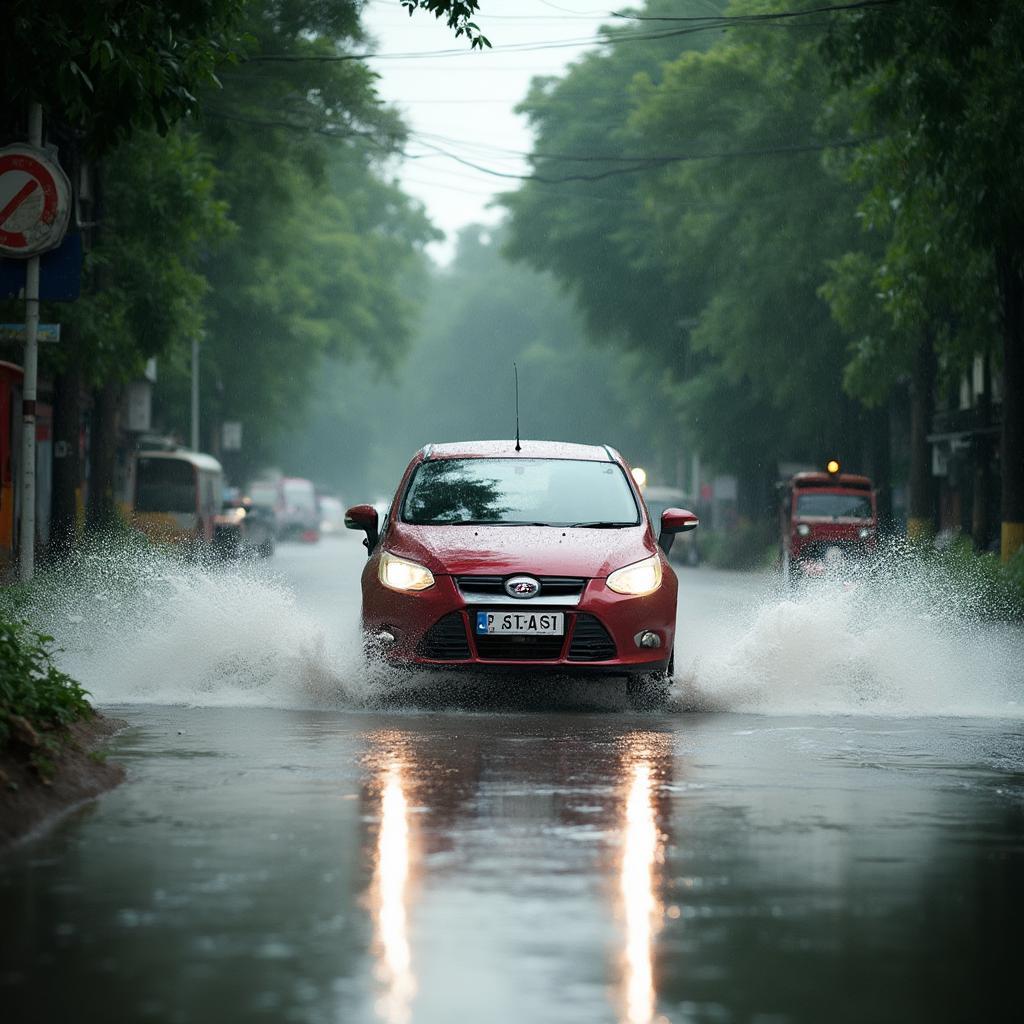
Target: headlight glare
x=637, y=579
x=864, y=532
x=803, y=529
x=401, y=574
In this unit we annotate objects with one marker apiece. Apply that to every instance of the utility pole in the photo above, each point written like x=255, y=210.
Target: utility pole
x=195, y=394
x=27, y=539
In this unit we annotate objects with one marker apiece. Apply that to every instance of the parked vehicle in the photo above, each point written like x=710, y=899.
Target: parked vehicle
x=825, y=520
x=268, y=495
x=244, y=528
x=685, y=551
x=539, y=557
x=332, y=515
x=299, y=518
x=177, y=497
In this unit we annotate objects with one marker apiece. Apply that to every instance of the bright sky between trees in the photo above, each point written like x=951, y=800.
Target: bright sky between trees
x=459, y=103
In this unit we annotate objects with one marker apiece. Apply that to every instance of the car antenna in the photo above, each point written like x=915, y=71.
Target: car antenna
x=515, y=371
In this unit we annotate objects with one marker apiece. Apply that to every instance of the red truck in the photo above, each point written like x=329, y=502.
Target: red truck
x=825, y=519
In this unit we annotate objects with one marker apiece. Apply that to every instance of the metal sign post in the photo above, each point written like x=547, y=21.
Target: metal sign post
x=195, y=394
x=27, y=535
x=35, y=204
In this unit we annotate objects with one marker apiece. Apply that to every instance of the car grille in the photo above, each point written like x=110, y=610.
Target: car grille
x=446, y=640
x=519, y=648
x=550, y=586
x=590, y=641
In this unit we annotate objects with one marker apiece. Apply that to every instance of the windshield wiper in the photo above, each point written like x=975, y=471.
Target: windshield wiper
x=599, y=526
x=490, y=522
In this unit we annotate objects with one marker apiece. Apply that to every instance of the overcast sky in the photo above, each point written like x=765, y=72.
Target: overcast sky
x=462, y=101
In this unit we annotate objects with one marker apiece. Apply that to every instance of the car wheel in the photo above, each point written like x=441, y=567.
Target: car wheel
x=651, y=691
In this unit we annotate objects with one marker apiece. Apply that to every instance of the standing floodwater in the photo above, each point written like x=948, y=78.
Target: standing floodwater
x=836, y=837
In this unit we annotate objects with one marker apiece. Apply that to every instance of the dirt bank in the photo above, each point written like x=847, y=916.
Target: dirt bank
x=80, y=772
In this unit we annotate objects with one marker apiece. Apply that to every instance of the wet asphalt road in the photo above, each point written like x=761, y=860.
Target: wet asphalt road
x=527, y=862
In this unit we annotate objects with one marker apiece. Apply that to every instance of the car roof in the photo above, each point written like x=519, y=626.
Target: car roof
x=528, y=450
x=198, y=459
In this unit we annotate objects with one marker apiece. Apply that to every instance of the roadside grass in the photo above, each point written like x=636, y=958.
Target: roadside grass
x=997, y=588
x=37, y=700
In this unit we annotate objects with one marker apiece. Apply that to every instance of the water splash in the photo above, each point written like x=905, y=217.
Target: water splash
x=909, y=637
x=138, y=625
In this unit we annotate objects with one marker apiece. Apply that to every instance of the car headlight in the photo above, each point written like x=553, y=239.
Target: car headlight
x=864, y=532
x=803, y=529
x=401, y=574
x=637, y=579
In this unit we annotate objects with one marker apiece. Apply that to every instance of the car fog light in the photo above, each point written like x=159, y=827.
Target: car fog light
x=647, y=639
x=384, y=637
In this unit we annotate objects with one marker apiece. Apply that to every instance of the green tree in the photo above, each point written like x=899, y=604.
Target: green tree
x=313, y=269
x=478, y=316
x=705, y=238
x=108, y=67
x=944, y=81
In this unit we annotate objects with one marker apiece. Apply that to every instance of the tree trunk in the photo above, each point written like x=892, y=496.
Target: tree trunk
x=67, y=474
x=879, y=458
x=102, y=512
x=981, y=454
x=1010, y=269
x=921, y=511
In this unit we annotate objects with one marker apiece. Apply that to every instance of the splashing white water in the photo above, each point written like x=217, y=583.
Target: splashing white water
x=136, y=625
x=140, y=626
x=909, y=639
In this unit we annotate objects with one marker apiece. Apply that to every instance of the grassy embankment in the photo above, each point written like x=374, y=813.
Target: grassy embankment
x=38, y=702
x=49, y=732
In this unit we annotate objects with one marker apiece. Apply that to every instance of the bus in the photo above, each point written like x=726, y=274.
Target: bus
x=177, y=497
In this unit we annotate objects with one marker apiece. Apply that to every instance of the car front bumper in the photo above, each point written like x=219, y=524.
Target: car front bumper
x=435, y=629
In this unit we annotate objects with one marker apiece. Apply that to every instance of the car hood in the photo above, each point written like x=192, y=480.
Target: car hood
x=539, y=550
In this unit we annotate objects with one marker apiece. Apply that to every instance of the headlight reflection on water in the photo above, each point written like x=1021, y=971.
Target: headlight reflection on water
x=641, y=905
x=390, y=897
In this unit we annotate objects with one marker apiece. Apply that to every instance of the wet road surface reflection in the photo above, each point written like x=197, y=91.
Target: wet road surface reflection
x=640, y=904
x=270, y=865
x=390, y=895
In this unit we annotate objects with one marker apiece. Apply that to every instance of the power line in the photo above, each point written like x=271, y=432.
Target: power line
x=738, y=19
x=653, y=163
x=607, y=38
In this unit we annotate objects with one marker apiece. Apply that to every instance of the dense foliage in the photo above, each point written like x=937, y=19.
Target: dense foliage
x=700, y=231
x=479, y=316
x=795, y=212
x=31, y=686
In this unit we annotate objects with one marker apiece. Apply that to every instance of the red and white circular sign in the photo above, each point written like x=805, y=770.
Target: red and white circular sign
x=35, y=201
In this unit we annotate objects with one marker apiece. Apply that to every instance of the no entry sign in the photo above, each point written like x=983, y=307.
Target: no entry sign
x=35, y=201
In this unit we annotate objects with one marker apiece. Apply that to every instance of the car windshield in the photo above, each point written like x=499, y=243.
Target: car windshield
x=165, y=485
x=834, y=506
x=550, y=492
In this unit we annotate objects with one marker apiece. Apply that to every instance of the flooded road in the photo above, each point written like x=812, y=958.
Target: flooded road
x=286, y=849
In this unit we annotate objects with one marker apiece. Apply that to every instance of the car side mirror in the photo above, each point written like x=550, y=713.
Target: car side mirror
x=673, y=521
x=364, y=517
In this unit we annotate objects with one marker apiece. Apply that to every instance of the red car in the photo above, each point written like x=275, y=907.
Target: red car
x=534, y=556
x=825, y=519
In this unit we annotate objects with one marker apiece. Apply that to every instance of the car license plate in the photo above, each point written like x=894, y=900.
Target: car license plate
x=522, y=623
